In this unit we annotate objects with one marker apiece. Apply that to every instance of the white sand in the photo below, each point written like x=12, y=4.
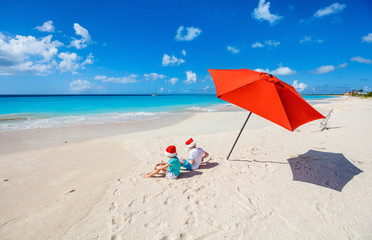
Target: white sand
x=94, y=189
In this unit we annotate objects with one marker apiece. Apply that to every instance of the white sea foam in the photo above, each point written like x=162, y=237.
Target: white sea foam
x=201, y=109
x=20, y=123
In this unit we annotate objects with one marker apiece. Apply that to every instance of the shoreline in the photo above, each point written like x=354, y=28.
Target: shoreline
x=38, y=138
x=25, y=120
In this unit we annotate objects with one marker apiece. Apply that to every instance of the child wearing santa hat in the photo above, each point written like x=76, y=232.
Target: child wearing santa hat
x=196, y=156
x=171, y=168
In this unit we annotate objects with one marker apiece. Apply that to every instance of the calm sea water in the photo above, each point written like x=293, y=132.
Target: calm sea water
x=25, y=112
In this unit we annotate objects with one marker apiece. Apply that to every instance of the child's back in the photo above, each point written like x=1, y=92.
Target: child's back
x=174, y=165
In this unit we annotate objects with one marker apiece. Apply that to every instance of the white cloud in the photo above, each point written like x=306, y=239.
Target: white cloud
x=367, y=38
x=69, y=62
x=27, y=54
x=161, y=89
x=206, y=88
x=332, y=9
x=171, y=60
x=46, y=27
x=154, y=76
x=80, y=85
x=342, y=65
x=257, y=45
x=299, y=86
x=79, y=30
x=126, y=79
x=85, y=37
x=361, y=60
x=262, y=13
x=324, y=69
x=310, y=39
x=262, y=70
x=11, y=68
x=190, y=77
x=268, y=43
x=173, y=80
x=367, y=89
x=305, y=39
x=233, y=50
x=191, y=33
x=280, y=71
x=183, y=52
x=328, y=68
x=272, y=43
x=22, y=48
x=89, y=59
x=39, y=56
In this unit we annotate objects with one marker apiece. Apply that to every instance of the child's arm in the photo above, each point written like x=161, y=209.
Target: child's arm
x=191, y=161
x=162, y=163
x=163, y=166
x=205, y=156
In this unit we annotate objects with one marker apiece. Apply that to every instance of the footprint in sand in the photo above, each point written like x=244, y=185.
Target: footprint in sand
x=187, y=208
x=189, y=221
x=131, y=203
x=191, y=197
x=185, y=236
x=145, y=197
x=118, y=220
x=129, y=217
x=114, y=206
x=210, y=222
x=168, y=201
x=197, y=202
x=200, y=189
x=116, y=193
x=116, y=237
x=191, y=214
x=160, y=193
x=149, y=225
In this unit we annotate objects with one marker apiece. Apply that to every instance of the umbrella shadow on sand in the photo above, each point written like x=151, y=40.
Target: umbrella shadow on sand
x=326, y=169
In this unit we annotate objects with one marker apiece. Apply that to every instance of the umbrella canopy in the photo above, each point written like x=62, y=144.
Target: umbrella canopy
x=264, y=95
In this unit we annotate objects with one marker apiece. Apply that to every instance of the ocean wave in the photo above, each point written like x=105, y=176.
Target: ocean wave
x=20, y=122
x=201, y=109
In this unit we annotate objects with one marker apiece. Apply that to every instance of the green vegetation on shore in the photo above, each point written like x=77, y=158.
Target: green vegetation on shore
x=359, y=93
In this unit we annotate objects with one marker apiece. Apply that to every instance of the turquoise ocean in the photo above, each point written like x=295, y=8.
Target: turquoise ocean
x=45, y=111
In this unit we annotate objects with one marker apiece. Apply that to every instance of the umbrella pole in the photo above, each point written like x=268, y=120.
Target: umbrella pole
x=241, y=130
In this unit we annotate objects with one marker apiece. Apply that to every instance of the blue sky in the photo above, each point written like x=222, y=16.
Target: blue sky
x=127, y=47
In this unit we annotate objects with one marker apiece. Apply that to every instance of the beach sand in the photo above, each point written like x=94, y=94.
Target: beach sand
x=92, y=187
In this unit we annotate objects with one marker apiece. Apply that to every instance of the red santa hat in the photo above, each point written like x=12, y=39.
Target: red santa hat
x=190, y=143
x=170, y=151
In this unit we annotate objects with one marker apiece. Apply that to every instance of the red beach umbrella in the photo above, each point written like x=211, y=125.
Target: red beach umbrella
x=264, y=95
